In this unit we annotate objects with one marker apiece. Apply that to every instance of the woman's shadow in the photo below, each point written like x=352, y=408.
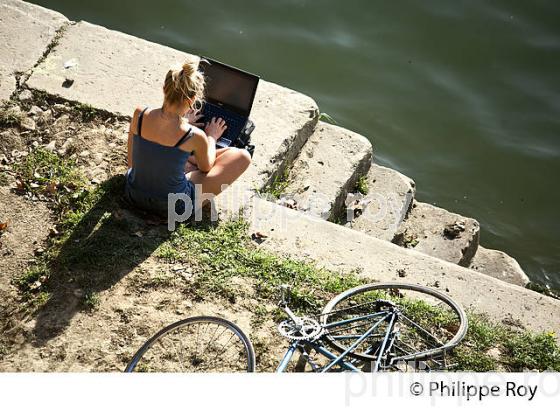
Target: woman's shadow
x=108, y=242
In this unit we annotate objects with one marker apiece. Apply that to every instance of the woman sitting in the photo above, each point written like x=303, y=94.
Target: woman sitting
x=170, y=153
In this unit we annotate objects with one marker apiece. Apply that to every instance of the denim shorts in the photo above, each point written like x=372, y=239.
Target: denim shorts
x=155, y=204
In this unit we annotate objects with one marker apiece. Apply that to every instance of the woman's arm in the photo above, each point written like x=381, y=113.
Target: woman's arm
x=205, y=143
x=131, y=131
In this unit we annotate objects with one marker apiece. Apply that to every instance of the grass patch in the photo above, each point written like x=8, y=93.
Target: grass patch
x=45, y=174
x=490, y=347
x=167, y=252
x=223, y=252
x=532, y=351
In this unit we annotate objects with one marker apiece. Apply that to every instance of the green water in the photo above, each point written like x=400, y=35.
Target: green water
x=463, y=96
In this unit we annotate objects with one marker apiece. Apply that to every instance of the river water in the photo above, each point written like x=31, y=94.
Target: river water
x=462, y=96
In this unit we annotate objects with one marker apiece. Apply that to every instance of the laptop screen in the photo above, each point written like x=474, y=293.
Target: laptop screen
x=229, y=86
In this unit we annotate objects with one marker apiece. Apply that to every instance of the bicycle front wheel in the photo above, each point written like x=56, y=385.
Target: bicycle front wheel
x=412, y=323
x=198, y=344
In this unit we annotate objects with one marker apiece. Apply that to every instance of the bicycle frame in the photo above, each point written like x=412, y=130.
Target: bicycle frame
x=341, y=359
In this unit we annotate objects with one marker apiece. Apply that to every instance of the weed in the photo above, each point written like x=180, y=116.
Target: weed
x=327, y=118
x=4, y=180
x=532, y=351
x=86, y=111
x=362, y=186
x=45, y=173
x=167, y=252
x=10, y=116
x=91, y=300
x=278, y=184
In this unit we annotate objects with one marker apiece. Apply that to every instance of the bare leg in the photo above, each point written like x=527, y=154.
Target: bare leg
x=230, y=164
x=192, y=165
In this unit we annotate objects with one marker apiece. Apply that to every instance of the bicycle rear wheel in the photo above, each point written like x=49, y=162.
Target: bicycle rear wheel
x=412, y=323
x=198, y=344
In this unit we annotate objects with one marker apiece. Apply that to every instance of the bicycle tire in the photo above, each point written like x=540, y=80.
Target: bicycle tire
x=459, y=335
x=196, y=319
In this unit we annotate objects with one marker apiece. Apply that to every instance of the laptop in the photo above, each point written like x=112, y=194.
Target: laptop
x=230, y=93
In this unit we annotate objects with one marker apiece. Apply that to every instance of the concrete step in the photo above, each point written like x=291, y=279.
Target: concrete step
x=26, y=31
x=386, y=204
x=116, y=72
x=499, y=265
x=326, y=169
x=288, y=232
x=440, y=233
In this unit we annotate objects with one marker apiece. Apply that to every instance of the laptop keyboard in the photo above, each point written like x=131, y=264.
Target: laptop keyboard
x=234, y=122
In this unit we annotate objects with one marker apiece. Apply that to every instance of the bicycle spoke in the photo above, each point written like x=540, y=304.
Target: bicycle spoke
x=416, y=325
x=194, y=345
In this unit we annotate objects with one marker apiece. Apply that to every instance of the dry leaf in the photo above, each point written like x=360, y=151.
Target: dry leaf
x=19, y=184
x=3, y=226
x=51, y=187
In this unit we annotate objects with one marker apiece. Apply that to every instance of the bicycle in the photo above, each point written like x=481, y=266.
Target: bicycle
x=373, y=327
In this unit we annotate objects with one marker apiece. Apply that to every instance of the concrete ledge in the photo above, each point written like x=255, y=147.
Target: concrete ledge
x=499, y=265
x=328, y=168
x=298, y=236
x=115, y=72
x=424, y=230
x=387, y=203
x=111, y=71
x=26, y=31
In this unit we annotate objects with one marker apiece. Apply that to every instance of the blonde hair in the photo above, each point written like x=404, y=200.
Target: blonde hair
x=184, y=83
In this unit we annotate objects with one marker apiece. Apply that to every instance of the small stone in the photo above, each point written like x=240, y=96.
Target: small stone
x=64, y=149
x=51, y=146
x=34, y=144
x=36, y=285
x=98, y=158
x=84, y=154
x=25, y=95
x=63, y=119
x=28, y=124
x=35, y=111
x=47, y=116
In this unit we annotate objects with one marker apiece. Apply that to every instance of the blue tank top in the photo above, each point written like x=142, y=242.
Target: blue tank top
x=158, y=169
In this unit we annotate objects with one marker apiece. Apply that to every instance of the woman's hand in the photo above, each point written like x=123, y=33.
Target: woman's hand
x=193, y=116
x=215, y=128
